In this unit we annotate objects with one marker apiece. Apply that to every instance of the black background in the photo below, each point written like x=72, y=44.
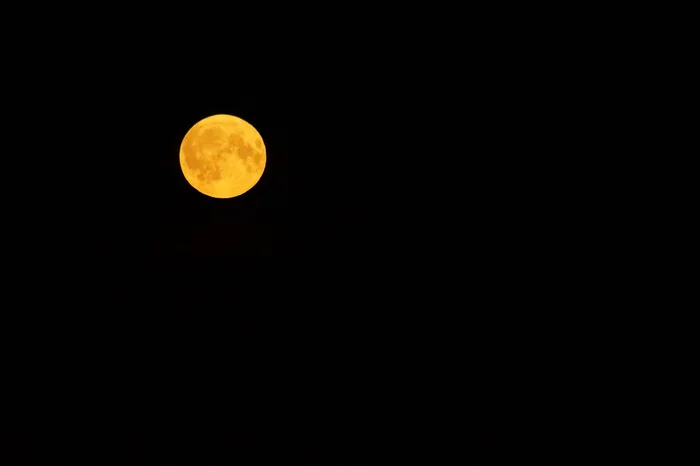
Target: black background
x=419, y=272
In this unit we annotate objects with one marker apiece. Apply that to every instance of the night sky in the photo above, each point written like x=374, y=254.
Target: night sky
x=392, y=287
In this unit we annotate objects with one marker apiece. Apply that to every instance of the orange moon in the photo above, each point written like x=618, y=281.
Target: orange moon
x=222, y=156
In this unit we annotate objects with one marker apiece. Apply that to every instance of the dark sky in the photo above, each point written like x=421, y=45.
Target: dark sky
x=392, y=285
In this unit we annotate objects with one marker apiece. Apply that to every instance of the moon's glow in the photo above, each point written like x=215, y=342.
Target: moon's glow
x=222, y=156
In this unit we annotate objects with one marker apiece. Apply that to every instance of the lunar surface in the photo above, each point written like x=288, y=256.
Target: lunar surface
x=222, y=156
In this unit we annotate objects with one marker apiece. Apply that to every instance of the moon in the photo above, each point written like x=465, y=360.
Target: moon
x=222, y=156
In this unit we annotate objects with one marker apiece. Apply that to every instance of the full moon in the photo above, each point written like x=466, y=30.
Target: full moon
x=222, y=156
